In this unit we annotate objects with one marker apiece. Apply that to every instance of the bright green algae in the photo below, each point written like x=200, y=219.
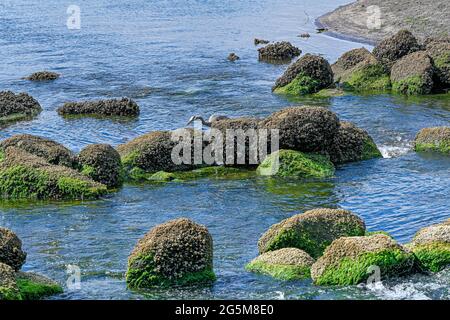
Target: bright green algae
x=434, y=256
x=280, y=271
x=370, y=150
x=301, y=85
x=409, y=86
x=369, y=78
x=440, y=146
x=31, y=290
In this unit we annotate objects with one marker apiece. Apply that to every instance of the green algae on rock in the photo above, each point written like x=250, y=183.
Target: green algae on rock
x=347, y=261
x=296, y=164
x=17, y=107
x=213, y=172
x=312, y=231
x=8, y=285
x=436, y=139
x=175, y=253
x=370, y=78
x=439, y=51
x=11, y=252
x=33, y=286
x=283, y=264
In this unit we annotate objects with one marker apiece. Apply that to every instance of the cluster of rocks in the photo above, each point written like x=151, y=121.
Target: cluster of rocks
x=435, y=139
x=124, y=107
x=332, y=247
x=15, y=284
x=16, y=107
x=282, y=51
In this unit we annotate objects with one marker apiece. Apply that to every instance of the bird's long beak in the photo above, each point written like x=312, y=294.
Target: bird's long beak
x=189, y=122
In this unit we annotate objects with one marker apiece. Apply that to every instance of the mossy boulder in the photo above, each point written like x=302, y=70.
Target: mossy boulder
x=17, y=107
x=26, y=176
x=296, y=164
x=347, y=260
x=283, y=264
x=213, y=172
x=435, y=139
x=352, y=144
x=53, y=152
x=413, y=74
x=307, y=75
x=282, y=51
x=33, y=286
x=123, y=107
x=101, y=163
x=312, y=231
x=8, y=285
x=175, y=253
x=439, y=51
x=431, y=245
x=11, y=252
x=391, y=49
x=306, y=129
x=43, y=76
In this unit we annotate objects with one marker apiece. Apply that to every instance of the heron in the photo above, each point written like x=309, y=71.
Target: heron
x=208, y=123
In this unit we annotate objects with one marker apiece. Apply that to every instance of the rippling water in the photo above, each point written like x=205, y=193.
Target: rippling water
x=170, y=56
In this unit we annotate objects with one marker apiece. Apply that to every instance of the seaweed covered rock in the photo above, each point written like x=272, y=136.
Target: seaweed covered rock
x=11, y=252
x=26, y=176
x=8, y=285
x=307, y=75
x=124, y=107
x=43, y=76
x=347, y=260
x=435, y=139
x=283, y=264
x=431, y=246
x=312, y=231
x=439, y=51
x=306, y=129
x=53, y=152
x=33, y=286
x=352, y=144
x=102, y=163
x=413, y=74
x=296, y=164
x=175, y=253
x=278, y=52
x=17, y=107
x=393, y=48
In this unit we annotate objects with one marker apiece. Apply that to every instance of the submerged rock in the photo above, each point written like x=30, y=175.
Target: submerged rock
x=278, y=52
x=175, y=253
x=352, y=144
x=233, y=57
x=413, y=74
x=296, y=164
x=26, y=176
x=433, y=139
x=11, y=252
x=102, y=163
x=43, y=76
x=17, y=107
x=439, y=51
x=53, y=152
x=307, y=75
x=347, y=261
x=124, y=107
x=283, y=264
x=312, y=231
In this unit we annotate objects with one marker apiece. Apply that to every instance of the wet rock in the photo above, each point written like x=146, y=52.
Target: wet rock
x=26, y=176
x=101, y=163
x=233, y=57
x=283, y=264
x=312, y=231
x=175, y=253
x=34, y=286
x=352, y=144
x=124, y=107
x=439, y=51
x=8, y=285
x=435, y=139
x=413, y=74
x=53, y=152
x=43, y=76
x=307, y=75
x=17, y=107
x=347, y=261
x=260, y=41
x=278, y=52
x=11, y=252
x=393, y=48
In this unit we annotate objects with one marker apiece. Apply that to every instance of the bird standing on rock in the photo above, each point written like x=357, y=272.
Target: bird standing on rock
x=208, y=123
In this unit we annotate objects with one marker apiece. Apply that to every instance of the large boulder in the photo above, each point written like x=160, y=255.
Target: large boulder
x=26, y=176
x=278, y=52
x=306, y=129
x=431, y=245
x=53, y=152
x=101, y=163
x=283, y=264
x=393, y=48
x=124, y=107
x=296, y=164
x=433, y=139
x=307, y=75
x=352, y=144
x=413, y=74
x=8, y=285
x=348, y=260
x=312, y=231
x=43, y=76
x=17, y=107
x=175, y=253
x=11, y=252
x=439, y=51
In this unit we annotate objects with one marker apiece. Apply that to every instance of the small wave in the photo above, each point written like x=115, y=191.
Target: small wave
x=390, y=151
